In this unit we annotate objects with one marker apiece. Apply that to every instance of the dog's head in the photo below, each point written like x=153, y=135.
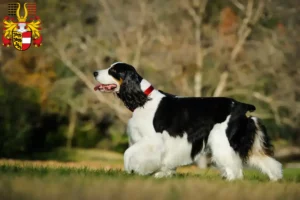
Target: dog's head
x=122, y=79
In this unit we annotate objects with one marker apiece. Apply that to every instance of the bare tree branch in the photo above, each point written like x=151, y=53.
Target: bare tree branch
x=110, y=17
x=272, y=104
x=238, y=5
x=221, y=85
x=243, y=33
x=245, y=30
x=122, y=114
x=140, y=36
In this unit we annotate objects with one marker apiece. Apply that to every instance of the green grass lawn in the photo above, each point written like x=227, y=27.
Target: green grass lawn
x=53, y=182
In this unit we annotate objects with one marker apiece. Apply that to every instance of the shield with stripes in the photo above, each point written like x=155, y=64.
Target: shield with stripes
x=22, y=40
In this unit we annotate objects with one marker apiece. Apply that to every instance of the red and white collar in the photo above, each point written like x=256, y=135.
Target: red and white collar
x=146, y=87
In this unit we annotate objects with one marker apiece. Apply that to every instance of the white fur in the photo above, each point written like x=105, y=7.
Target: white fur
x=258, y=159
x=133, y=133
x=227, y=160
x=178, y=151
x=145, y=84
x=104, y=78
x=142, y=118
x=201, y=158
x=267, y=165
x=145, y=156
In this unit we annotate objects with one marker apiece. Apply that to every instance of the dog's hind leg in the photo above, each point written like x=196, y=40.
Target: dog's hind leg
x=267, y=165
x=226, y=159
x=261, y=154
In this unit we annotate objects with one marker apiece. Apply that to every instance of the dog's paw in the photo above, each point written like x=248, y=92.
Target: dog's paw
x=164, y=174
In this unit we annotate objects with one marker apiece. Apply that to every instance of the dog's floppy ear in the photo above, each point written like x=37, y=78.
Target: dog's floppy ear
x=130, y=91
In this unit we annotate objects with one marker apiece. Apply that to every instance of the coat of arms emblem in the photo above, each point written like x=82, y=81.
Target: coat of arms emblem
x=18, y=31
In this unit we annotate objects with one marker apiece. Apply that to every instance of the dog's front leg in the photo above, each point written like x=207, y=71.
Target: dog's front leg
x=144, y=157
x=132, y=133
x=164, y=173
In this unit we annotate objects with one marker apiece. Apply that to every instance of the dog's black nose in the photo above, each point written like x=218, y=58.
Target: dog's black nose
x=95, y=74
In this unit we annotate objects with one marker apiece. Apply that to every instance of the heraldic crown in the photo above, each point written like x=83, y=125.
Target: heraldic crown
x=21, y=33
x=22, y=18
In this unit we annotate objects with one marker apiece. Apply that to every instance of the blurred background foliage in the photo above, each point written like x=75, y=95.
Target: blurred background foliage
x=245, y=49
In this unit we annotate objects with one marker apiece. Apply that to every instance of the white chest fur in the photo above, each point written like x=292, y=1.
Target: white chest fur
x=141, y=123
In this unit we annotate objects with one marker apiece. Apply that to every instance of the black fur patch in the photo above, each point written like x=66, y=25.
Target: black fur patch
x=241, y=132
x=120, y=70
x=197, y=116
x=130, y=91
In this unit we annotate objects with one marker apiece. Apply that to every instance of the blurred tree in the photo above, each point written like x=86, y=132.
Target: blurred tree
x=208, y=48
x=24, y=129
x=30, y=69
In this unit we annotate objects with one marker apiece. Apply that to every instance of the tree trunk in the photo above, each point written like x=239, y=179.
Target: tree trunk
x=199, y=59
x=71, y=127
x=198, y=84
x=221, y=85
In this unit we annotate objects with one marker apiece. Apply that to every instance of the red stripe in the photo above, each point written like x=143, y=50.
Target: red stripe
x=26, y=34
x=149, y=90
x=25, y=46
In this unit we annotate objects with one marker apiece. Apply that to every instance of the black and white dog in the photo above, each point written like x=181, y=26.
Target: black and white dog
x=167, y=131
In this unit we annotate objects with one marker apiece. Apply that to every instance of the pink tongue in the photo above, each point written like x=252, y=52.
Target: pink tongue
x=97, y=87
x=102, y=86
